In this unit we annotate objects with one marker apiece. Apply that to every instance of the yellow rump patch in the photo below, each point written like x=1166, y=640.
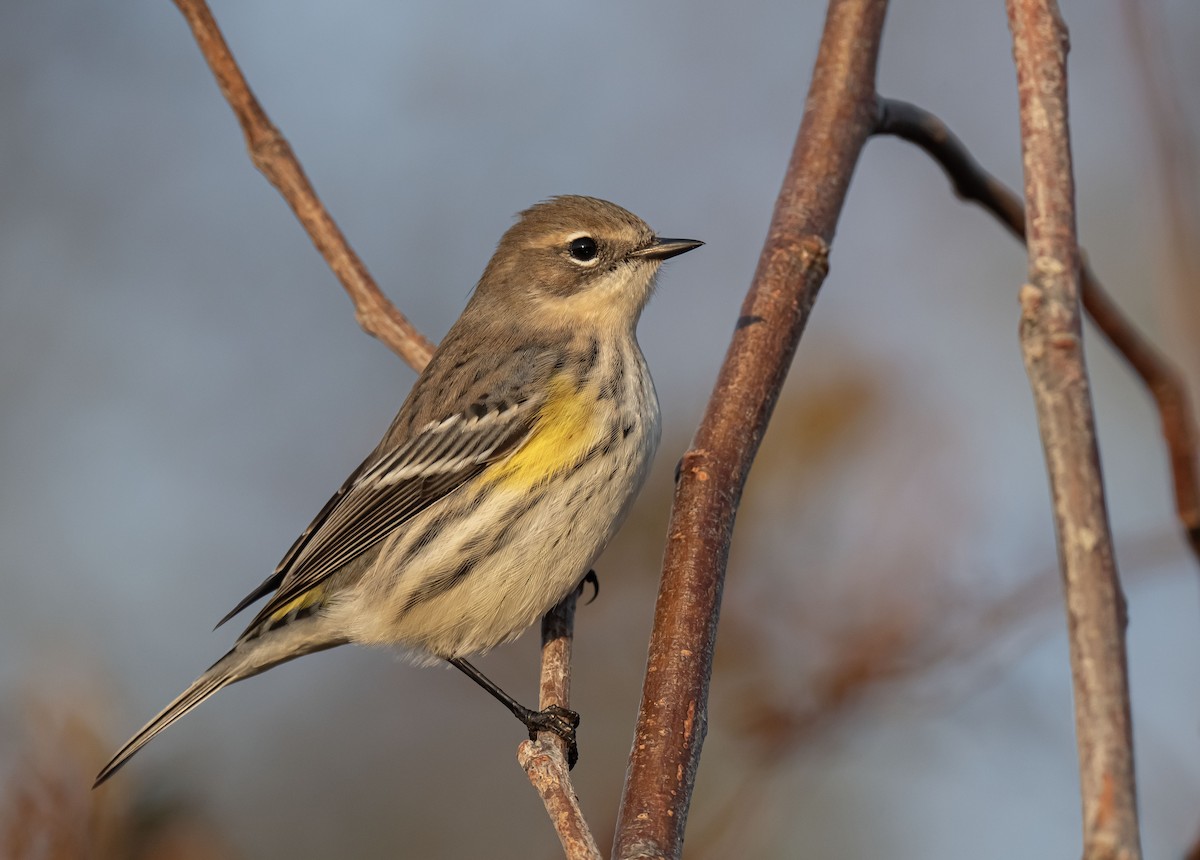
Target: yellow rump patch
x=305, y=600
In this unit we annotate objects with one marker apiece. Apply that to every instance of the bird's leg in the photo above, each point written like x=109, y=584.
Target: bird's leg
x=553, y=719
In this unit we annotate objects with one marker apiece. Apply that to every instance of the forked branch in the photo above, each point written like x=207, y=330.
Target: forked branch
x=1166, y=385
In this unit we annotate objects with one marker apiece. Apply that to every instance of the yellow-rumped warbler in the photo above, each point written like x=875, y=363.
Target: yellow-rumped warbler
x=512, y=463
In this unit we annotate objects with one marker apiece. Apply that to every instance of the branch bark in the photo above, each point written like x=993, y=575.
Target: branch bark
x=1164, y=381
x=273, y=156
x=545, y=759
x=838, y=118
x=1053, y=352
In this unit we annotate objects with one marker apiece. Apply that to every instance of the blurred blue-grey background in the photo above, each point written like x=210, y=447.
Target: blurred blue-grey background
x=182, y=384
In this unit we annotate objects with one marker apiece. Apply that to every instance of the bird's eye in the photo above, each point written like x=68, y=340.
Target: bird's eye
x=582, y=249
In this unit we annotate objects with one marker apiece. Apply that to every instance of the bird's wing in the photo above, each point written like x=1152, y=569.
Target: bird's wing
x=273, y=581
x=391, y=488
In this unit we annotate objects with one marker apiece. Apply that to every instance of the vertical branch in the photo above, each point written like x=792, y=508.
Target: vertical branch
x=545, y=759
x=1053, y=352
x=838, y=117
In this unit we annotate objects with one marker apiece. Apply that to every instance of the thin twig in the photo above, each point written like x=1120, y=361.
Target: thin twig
x=1052, y=346
x=1164, y=381
x=273, y=156
x=544, y=759
x=838, y=118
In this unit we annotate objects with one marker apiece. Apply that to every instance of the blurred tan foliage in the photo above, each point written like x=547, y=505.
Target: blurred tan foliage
x=49, y=812
x=842, y=587
x=867, y=601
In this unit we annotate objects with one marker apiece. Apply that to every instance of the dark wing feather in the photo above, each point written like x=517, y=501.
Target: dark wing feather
x=393, y=489
x=273, y=581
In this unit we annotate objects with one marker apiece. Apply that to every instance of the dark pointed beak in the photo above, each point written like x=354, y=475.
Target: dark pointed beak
x=665, y=249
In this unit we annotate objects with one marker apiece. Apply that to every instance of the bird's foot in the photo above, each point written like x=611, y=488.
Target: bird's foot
x=558, y=720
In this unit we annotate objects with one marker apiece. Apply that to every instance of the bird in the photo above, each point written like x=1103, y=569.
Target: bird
x=510, y=466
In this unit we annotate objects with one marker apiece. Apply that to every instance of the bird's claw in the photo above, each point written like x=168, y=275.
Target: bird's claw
x=561, y=722
x=594, y=581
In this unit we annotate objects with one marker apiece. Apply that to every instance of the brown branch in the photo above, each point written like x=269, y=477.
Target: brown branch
x=1164, y=381
x=1169, y=390
x=548, y=772
x=838, y=117
x=1053, y=351
x=273, y=156
x=545, y=759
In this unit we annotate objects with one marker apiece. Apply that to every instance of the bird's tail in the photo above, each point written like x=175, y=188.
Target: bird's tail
x=248, y=658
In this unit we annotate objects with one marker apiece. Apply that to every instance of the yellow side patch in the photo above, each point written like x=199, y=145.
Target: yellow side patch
x=305, y=600
x=565, y=430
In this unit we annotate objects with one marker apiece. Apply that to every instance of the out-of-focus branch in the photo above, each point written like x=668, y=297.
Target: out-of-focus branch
x=273, y=156
x=838, y=118
x=1176, y=165
x=1053, y=351
x=1164, y=381
x=545, y=759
